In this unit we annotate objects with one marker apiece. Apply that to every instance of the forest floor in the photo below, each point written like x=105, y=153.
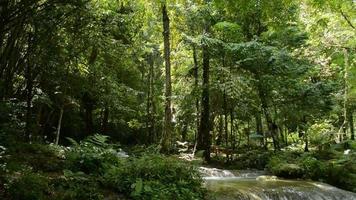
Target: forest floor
x=33, y=171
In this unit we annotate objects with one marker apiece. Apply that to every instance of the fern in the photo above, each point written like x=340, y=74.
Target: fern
x=72, y=141
x=98, y=140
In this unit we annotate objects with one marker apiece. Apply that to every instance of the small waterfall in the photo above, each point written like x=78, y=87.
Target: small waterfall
x=212, y=173
x=254, y=185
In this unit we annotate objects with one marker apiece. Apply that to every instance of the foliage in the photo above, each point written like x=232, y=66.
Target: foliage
x=92, y=155
x=77, y=185
x=250, y=159
x=37, y=156
x=29, y=186
x=285, y=165
x=336, y=169
x=155, y=177
x=249, y=73
x=321, y=133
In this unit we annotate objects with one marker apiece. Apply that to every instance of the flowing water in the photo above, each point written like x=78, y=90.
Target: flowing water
x=254, y=185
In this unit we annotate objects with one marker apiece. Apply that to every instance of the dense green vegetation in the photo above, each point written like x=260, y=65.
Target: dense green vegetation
x=240, y=84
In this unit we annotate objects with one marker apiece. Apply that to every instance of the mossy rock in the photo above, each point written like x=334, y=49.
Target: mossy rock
x=287, y=170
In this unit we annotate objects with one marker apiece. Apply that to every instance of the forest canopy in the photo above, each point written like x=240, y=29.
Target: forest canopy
x=220, y=75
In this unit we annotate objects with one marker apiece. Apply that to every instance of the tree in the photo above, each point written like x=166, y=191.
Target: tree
x=167, y=131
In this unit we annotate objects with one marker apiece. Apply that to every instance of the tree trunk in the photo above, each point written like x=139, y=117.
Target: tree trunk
x=89, y=118
x=259, y=126
x=88, y=104
x=185, y=131
x=29, y=90
x=351, y=124
x=104, y=123
x=204, y=130
x=345, y=96
x=225, y=120
x=59, y=125
x=286, y=135
x=306, y=140
x=221, y=130
x=149, y=109
x=272, y=127
x=167, y=131
x=232, y=129
x=196, y=85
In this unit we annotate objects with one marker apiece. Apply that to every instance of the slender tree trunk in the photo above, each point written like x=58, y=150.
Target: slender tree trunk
x=167, y=131
x=185, y=131
x=226, y=119
x=351, y=124
x=105, y=120
x=343, y=125
x=305, y=133
x=152, y=112
x=204, y=131
x=59, y=125
x=258, y=123
x=235, y=132
x=39, y=121
x=196, y=85
x=29, y=90
x=247, y=132
x=221, y=130
x=149, y=110
x=89, y=118
x=306, y=140
x=259, y=126
x=286, y=134
x=271, y=125
x=232, y=128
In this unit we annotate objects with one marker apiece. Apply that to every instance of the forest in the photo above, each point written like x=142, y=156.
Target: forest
x=177, y=99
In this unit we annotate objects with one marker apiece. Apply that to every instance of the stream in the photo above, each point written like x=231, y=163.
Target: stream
x=256, y=185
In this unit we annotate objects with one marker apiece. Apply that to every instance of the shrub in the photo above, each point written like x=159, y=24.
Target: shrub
x=312, y=167
x=255, y=159
x=31, y=186
x=285, y=165
x=156, y=177
x=321, y=133
x=92, y=155
x=342, y=172
x=38, y=156
x=77, y=186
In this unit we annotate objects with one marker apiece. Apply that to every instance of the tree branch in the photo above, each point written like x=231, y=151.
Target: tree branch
x=347, y=19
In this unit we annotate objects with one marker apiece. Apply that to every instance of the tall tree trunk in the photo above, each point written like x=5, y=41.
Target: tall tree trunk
x=149, y=110
x=196, y=85
x=59, y=125
x=258, y=123
x=306, y=139
x=226, y=119
x=221, y=131
x=351, y=124
x=89, y=118
x=204, y=130
x=29, y=90
x=167, y=131
x=148, y=113
x=247, y=133
x=346, y=87
x=232, y=129
x=88, y=105
x=185, y=131
x=259, y=126
x=105, y=120
x=272, y=127
x=286, y=135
